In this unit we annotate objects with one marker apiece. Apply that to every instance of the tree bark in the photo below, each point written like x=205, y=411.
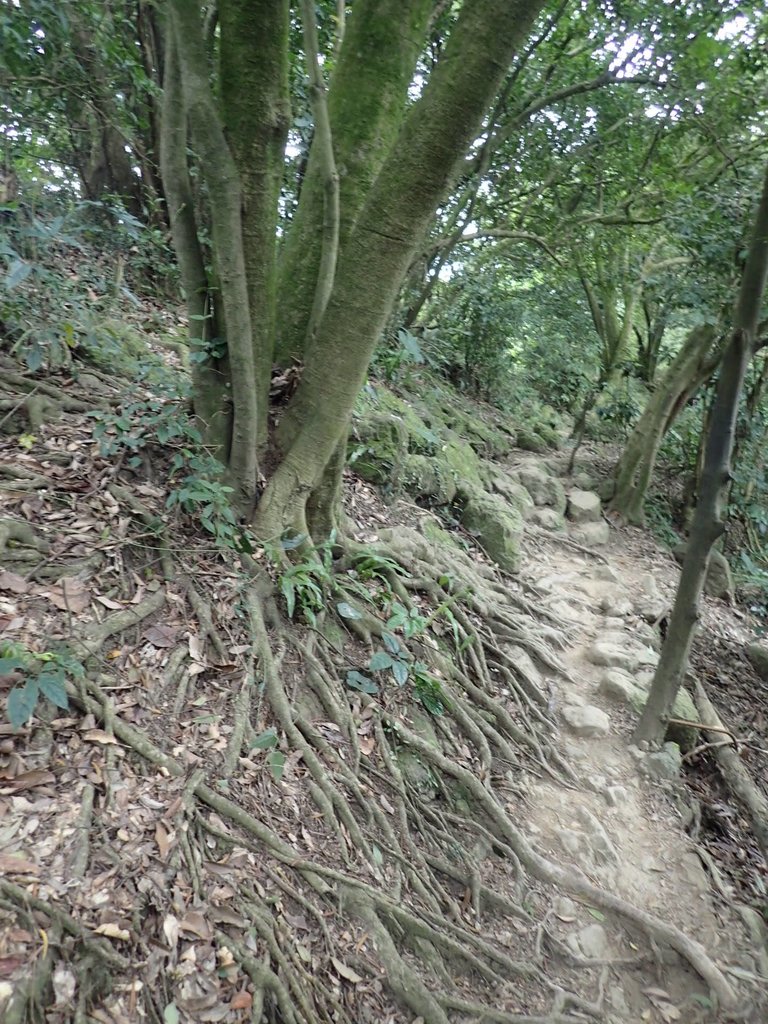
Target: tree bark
x=223, y=181
x=693, y=364
x=367, y=98
x=373, y=263
x=208, y=381
x=708, y=524
x=253, y=74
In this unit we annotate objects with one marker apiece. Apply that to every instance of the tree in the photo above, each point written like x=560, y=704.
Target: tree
x=386, y=205
x=708, y=520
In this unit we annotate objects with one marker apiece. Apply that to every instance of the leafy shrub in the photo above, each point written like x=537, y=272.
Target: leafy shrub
x=45, y=675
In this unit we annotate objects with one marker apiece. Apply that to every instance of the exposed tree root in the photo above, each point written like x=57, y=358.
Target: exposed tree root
x=733, y=770
x=397, y=859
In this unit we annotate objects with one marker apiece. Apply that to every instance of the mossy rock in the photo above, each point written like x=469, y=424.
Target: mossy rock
x=428, y=478
x=545, y=489
x=463, y=462
x=437, y=535
x=509, y=488
x=719, y=580
x=497, y=527
x=684, y=708
x=530, y=441
x=758, y=656
x=421, y=438
x=378, y=447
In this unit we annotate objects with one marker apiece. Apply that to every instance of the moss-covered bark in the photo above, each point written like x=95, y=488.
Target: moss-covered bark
x=694, y=363
x=225, y=197
x=209, y=382
x=253, y=76
x=366, y=103
x=708, y=523
x=376, y=257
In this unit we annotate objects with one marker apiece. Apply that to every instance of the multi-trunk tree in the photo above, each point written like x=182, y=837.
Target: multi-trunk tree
x=379, y=164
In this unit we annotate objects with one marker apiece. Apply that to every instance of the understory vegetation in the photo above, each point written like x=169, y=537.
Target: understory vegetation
x=315, y=320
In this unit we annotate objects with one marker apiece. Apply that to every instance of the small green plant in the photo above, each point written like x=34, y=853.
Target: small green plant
x=45, y=675
x=304, y=587
x=207, y=499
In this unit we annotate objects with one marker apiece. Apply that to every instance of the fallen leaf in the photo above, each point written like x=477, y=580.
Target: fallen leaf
x=9, y=964
x=28, y=780
x=99, y=736
x=345, y=972
x=160, y=635
x=171, y=930
x=195, y=922
x=164, y=840
x=112, y=931
x=69, y=594
x=64, y=985
x=13, y=582
x=108, y=602
x=241, y=1001
x=10, y=864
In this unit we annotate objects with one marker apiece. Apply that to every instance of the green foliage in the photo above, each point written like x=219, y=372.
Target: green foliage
x=60, y=279
x=45, y=675
x=304, y=587
x=152, y=426
x=391, y=359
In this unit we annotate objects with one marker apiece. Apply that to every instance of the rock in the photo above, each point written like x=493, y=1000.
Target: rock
x=615, y=796
x=565, y=908
x=583, y=481
x=616, y=606
x=497, y=526
x=593, y=941
x=607, y=573
x=664, y=764
x=602, y=849
x=547, y=519
x=618, y=1001
x=512, y=491
x=530, y=441
x=632, y=692
x=544, y=488
x=584, y=507
x=427, y=478
x=719, y=580
x=591, y=535
x=603, y=652
x=648, y=602
x=378, y=447
x=758, y=657
x=616, y=684
x=587, y=721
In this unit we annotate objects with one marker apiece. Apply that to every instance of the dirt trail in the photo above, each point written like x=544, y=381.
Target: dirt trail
x=625, y=831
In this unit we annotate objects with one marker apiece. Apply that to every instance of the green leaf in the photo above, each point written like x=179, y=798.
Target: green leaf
x=8, y=665
x=289, y=543
x=265, y=740
x=347, y=611
x=276, y=762
x=380, y=661
x=391, y=642
x=53, y=686
x=400, y=672
x=171, y=1014
x=597, y=914
x=17, y=273
x=21, y=703
x=357, y=681
x=289, y=593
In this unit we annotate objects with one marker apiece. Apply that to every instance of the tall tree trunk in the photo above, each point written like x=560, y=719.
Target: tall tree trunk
x=708, y=524
x=366, y=103
x=209, y=379
x=253, y=73
x=375, y=259
x=225, y=197
x=693, y=364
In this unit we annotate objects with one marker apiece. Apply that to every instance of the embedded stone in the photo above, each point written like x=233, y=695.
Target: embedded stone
x=584, y=507
x=497, y=526
x=588, y=721
x=593, y=941
x=758, y=657
x=664, y=764
x=547, y=518
x=544, y=488
x=591, y=535
x=616, y=684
